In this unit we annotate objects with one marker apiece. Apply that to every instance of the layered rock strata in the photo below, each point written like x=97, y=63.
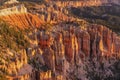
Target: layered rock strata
x=18, y=16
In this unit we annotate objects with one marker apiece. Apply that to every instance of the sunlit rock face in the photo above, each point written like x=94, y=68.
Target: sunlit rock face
x=12, y=62
x=66, y=49
x=18, y=16
x=71, y=40
x=13, y=10
x=81, y=3
x=23, y=20
x=11, y=2
x=55, y=11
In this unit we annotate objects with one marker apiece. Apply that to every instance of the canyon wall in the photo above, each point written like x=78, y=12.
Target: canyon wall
x=70, y=46
x=53, y=12
x=11, y=62
x=23, y=21
x=13, y=10
x=78, y=3
x=66, y=48
x=81, y=3
x=20, y=17
x=11, y=2
x=61, y=51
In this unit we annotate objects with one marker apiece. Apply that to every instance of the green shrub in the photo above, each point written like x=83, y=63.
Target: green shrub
x=11, y=37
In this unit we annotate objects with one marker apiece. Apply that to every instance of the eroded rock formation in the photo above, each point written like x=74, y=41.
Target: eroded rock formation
x=66, y=51
x=18, y=16
x=70, y=46
x=81, y=3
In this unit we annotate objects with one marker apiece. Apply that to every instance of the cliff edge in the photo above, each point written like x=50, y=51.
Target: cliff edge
x=18, y=16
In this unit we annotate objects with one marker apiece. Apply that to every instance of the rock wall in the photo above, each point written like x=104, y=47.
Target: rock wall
x=62, y=51
x=78, y=3
x=23, y=20
x=55, y=11
x=71, y=46
x=12, y=61
x=13, y=10
x=81, y=3
x=11, y=2
x=66, y=49
x=52, y=13
x=18, y=16
x=95, y=41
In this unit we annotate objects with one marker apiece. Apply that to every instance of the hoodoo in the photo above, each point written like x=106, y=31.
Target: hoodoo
x=60, y=40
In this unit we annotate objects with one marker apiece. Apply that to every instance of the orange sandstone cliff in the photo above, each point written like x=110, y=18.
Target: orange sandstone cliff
x=67, y=49
x=18, y=16
x=72, y=49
